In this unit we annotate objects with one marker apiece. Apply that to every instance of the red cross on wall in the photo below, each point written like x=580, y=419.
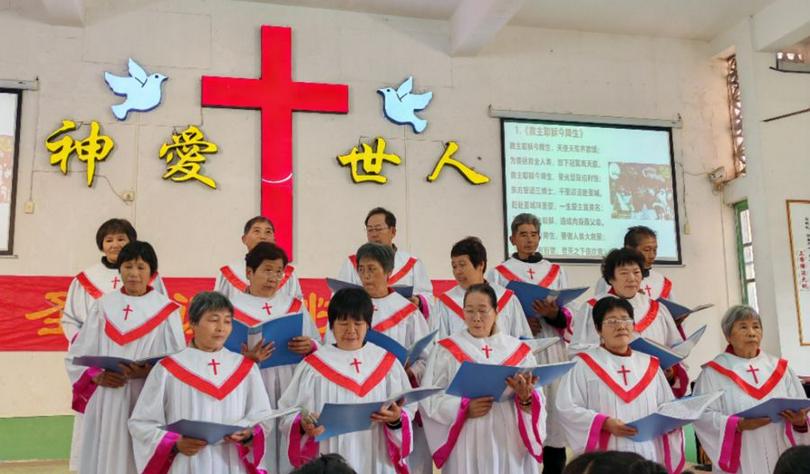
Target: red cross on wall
x=277, y=96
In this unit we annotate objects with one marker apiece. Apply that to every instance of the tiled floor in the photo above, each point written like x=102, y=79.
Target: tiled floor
x=38, y=467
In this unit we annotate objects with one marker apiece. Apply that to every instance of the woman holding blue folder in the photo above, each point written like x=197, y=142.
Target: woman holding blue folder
x=484, y=435
x=748, y=377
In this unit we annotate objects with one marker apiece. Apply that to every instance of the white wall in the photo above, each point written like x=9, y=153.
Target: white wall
x=195, y=229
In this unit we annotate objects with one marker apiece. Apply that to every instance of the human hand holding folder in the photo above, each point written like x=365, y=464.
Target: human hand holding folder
x=475, y=380
x=278, y=331
x=528, y=293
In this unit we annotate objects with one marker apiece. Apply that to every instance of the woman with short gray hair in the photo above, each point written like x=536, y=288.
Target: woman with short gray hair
x=747, y=376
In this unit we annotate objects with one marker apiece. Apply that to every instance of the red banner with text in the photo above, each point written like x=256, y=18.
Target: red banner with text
x=31, y=306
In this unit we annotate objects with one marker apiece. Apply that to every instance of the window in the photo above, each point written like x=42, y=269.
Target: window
x=10, y=106
x=735, y=112
x=745, y=254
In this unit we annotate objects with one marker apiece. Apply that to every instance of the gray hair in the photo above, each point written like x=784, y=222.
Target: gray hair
x=736, y=313
x=382, y=254
x=524, y=218
x=207, y=301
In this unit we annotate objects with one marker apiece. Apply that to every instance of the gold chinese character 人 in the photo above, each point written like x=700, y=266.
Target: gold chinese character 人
x=372, y=162
x=189, y=147
x=93, y=148
x=469, y=174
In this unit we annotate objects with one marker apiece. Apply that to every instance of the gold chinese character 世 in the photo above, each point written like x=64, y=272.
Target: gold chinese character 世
x=93, y=148
x=469, y=174
x=189, y=147
x=372, y=162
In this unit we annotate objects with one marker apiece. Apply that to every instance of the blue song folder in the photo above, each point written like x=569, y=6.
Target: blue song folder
x=668, y=356
x=671, y=415
x=335, y=285
x=404, y=355
x=111, y=363
x=678, y=311
x=213, y=433
x=527, y=293
x=341, y=418
x=475, y=380
x=278, y=330
x=773, y=406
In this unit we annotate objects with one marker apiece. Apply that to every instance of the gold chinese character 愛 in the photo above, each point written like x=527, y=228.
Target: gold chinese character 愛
x=189, y=147
x=93, y=148
x=469, y=174
x=372, y=162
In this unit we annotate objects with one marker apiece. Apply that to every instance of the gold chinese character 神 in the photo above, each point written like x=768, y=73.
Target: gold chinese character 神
x=469, y=174
x=188, y=147
x=372, y=162
x=93, y=148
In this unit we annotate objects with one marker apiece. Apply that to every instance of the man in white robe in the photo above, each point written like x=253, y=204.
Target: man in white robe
x=612, y=385
x=381, y=228
x=204, y=382
x=349, y=371
x=468, y=258
x=264, y=301
x=232, y=278
x=747, y=377
x=135, y=323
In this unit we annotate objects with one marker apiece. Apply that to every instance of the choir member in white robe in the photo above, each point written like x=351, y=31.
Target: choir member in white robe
x=204, y=382
x=136, y=323
x=381, y=228
x=232, y=278
x=349, y=371
x=612, y=385
x=747, y=377
x=654, y=284
x=399, y=319
x=528, y=265
x=483, y=435
x=622, y=269
x=468, y=259
x=264, y=301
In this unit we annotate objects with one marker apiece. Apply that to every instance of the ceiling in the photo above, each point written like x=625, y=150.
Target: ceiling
x=688, y=19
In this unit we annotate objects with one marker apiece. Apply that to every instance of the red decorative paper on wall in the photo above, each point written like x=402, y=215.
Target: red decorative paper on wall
x=31, y=306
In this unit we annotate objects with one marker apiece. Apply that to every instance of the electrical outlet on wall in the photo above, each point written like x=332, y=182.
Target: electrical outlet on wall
x=29, y=207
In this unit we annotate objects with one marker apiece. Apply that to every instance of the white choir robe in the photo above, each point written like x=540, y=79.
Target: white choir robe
x=408, y=271
x=548, y=275
x=603, y=385
x=232, y=279
x=332, y=375
x=251, y=310
x=652, y=320
x=505, y=440
x=654, y=285
x=84, y=290
x=448, y=313
x=119, y=325
x=396, y=317
x=752, y=451
x=219, y=387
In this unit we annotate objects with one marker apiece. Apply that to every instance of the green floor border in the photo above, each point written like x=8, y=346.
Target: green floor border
x=35, y=438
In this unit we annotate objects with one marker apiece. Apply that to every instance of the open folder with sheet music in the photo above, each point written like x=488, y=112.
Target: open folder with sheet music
x=279, y=331
x=213, y=433
x=475, y=380
x=527, y=293
x=672, y=415
x=404, y=355
x=668, y=356
x=112, y=363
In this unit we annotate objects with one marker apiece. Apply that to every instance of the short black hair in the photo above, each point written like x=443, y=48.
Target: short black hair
x=350, y=303
x=390, y=218
x=265, y=251
x=611, y=462
x=795, y=460
x=473, y=248
x=619, y=258
x=135, y=250
x=332, y=463
x=382, y=254
x=115, y=226
x=485, y=289
x=601, y=308
x=207, y=301
x=634, y=235
x=255, y=220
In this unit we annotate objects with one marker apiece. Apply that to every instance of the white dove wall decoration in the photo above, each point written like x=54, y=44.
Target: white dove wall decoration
x=142, y=91
x=400, y=105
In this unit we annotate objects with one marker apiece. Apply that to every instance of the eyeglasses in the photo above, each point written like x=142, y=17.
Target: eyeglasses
x=618, y=322
x=477, y=312
x=376, y=229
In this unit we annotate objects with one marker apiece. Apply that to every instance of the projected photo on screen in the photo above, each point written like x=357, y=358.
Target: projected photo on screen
x=587, y=183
